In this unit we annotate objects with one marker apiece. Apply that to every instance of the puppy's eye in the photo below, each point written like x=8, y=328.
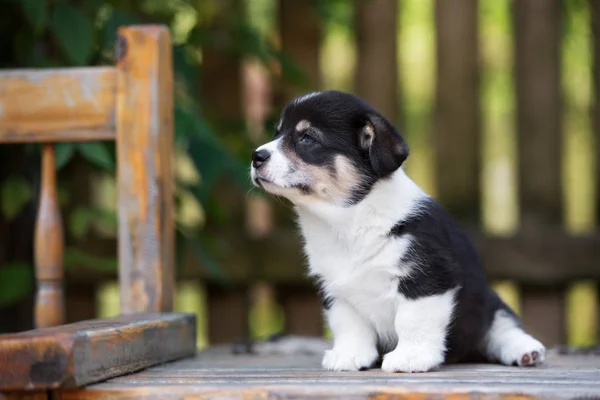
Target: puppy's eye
x=306, y=138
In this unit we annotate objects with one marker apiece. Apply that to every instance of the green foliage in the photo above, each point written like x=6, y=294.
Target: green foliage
x=36, y=12
x=16, y=281
x=74, y=32
x=59, y=33
x=98, y=154
x=15, y=194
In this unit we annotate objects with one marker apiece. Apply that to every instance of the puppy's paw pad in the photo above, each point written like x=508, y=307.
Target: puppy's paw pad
x=532, y=358
x=525, y=352
x=337, y=360
x=410, y=361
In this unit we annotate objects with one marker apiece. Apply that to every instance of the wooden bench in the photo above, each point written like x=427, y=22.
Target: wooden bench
x=131, y=104
x=125, y=357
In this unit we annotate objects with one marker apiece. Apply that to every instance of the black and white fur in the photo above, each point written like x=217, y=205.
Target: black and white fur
x=399, y=279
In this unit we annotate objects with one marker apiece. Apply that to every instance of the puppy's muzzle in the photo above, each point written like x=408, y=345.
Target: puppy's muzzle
x=260, y=157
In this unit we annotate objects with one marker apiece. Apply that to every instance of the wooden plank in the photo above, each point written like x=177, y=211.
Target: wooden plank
x=300, y=34
x=145, y=176
x=537, y=72
x=216, y=373
x=42, y=395
x=52, y=105
x=595, y=22
x=227, y=314
x=91, y=351
x=544, y=315
x=377, y=65
x=457, y=118
x=49, y=248
x=547, y=258
x=302, y=310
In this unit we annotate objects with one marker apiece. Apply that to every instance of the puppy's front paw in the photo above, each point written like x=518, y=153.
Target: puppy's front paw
x=411, y=360
x=349, y=360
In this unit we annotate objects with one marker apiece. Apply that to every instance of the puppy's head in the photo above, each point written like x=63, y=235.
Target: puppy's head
x=329, y=146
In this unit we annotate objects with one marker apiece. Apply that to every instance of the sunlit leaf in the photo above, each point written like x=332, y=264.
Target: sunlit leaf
x=16, y=193
x=64, y=153
x=16, y=282
x=74, y=32
x=97, y=154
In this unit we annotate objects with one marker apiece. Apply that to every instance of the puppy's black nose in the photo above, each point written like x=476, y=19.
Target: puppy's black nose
x=259, y=157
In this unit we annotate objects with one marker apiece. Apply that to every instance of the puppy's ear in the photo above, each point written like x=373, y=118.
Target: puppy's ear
x=386, y=148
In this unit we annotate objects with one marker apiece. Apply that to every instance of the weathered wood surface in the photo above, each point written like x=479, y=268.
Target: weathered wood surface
x=376, y=78
x=547, y=258
x=51, y=105
x=49, y=248
x=215, y=374
x=90, y=351
x=457, y=117
x=537, y=73
x=145, y=178
x=300, y=34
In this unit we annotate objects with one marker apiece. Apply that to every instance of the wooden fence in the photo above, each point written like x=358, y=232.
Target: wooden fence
x=541, y=258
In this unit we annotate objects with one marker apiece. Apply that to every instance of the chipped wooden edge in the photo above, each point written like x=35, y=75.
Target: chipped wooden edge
x=57, y=105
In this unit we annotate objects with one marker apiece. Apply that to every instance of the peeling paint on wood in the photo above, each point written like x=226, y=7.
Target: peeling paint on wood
x=145, y=184
x=70, y=104
x=90, y=351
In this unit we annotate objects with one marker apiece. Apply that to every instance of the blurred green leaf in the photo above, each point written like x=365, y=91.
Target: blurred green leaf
x=82, y=218
x=16, y=193
x=16, y=282
x=116, y=19
x=36, y=12
x=75, y=256
x=64, y=153
x=74, y=32
x=97, y=154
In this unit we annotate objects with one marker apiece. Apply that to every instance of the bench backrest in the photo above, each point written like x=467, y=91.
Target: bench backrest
x=131, y=103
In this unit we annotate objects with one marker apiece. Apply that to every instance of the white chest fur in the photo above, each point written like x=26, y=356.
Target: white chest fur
x=351, y=251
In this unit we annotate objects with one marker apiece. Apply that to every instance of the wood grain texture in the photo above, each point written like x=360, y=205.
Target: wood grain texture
x=145, y=178
x=457, y=117
x=51, y=105
x=90, y=351
x=49, y=248
x=215, y=374
x=537, y=26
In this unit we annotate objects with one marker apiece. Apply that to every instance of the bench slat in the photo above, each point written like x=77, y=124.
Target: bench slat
x=77, y=354
x=53, y=105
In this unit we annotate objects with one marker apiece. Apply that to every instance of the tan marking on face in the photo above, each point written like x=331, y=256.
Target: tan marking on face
x=332, y=187
x=302, y=125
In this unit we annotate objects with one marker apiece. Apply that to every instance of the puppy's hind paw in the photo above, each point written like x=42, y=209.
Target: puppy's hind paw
x=525, y=352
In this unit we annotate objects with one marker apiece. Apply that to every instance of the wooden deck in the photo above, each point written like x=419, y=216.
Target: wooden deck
x=218, y=374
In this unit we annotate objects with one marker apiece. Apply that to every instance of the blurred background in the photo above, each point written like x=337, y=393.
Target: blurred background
x=495, y=97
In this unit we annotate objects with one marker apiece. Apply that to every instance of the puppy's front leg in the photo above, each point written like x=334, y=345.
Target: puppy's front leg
x=354, y=339
x=421, y=328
